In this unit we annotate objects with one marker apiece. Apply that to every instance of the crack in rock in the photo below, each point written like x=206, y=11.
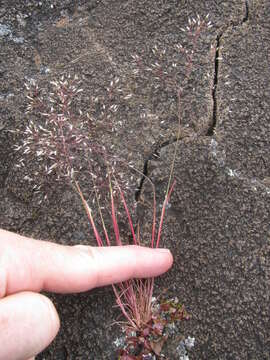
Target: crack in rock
x=247, y=12
x=211, y=130
x=212, y=127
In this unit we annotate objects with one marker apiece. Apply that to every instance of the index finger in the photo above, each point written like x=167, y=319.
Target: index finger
x=34, y=265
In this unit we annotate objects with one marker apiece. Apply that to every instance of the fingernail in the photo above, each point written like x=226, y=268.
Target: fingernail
x=83, y=248
x=163, y=251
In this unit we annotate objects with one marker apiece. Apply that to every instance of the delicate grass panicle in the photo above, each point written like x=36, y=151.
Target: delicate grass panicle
x=55, y=141
x=66, y=142
x=171, y=70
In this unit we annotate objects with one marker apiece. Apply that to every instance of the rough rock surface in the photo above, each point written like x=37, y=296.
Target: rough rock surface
x=218, y=221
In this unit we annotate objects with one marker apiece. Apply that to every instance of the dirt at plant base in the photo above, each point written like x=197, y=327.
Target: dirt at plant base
x=218, y=223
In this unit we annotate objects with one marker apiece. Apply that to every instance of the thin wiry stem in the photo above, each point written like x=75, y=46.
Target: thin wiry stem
x=123, y=307
x=165, y=203
x=102, y=220
x=114, y=219
x=128, y=216
x=89, y=214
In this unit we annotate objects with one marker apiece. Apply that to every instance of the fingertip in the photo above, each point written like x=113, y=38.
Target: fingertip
x=54, y=317
x=169, y=257
x=149, y=262
x=163, y=260
x=166, y=253
x=28, y=324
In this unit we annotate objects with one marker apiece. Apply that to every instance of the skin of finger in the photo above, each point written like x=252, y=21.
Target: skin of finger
x=58, y=268
x=131, y=262
x=28, y=324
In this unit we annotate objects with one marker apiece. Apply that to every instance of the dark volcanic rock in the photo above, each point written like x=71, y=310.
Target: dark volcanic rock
x=218, y=221
x=218, y=227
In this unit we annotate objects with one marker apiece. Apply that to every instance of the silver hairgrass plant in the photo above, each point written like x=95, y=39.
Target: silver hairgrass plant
x=66, y=142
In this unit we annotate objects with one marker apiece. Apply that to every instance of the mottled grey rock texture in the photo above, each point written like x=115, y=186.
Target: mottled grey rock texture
x=218, y=223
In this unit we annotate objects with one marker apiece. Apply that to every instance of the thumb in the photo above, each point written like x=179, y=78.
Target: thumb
x=28, y=323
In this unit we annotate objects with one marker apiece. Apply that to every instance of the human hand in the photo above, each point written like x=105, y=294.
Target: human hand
x=28, y=320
